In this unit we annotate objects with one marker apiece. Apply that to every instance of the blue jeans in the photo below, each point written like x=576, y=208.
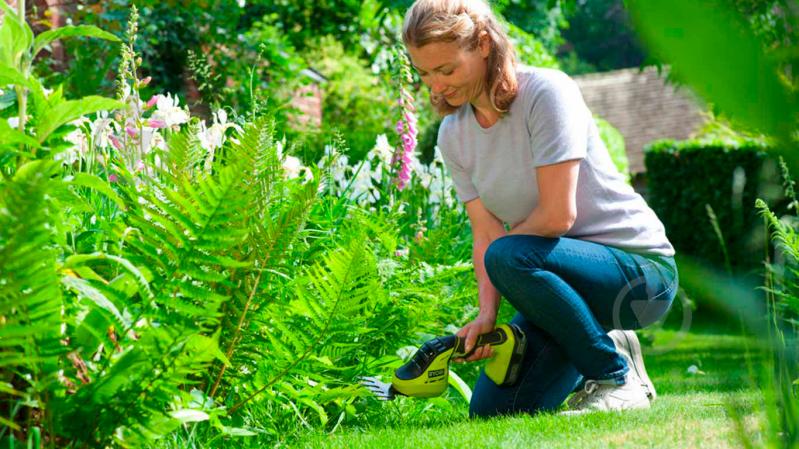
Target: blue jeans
x=568, y=294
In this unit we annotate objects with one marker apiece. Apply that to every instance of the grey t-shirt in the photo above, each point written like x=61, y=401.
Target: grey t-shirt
x=547, y=123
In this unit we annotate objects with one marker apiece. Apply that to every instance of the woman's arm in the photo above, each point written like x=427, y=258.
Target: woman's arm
x=557, y=201
x=485, y=229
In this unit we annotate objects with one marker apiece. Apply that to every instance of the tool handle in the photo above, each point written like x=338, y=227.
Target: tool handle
x=493, y=338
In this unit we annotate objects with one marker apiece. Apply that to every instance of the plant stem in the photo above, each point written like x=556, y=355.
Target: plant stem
x=236, y=333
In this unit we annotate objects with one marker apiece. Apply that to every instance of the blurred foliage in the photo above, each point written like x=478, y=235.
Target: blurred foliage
x=747, y=69
x=543, y=19
x=304, y=21
x=356, y=102
x=614, y=141
x=598, y=37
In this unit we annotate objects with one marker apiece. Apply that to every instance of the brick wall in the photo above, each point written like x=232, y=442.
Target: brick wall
x=308, y=100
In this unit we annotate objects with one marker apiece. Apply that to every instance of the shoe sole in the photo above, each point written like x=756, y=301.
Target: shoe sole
x=585, y=411
x=638, y=363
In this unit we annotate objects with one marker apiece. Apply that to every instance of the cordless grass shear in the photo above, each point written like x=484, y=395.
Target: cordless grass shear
x=426, y=374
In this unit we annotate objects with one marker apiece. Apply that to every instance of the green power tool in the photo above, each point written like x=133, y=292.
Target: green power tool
x=426, y=374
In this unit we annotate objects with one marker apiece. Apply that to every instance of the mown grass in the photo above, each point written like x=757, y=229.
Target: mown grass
x=692, y=410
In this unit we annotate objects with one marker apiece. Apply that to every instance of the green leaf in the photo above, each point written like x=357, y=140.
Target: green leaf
x=188, y=415
x=7, y=388
x=238, y=432
x=70, y=110
x=8, y=423
x=9, y=75
x=94, y=182
x=83, y=288
x=15, y=37
x=11, y=136
x=138, y=275
x=47, y=37
x=460, y=386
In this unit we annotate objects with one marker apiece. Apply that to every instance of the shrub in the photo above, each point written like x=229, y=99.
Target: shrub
x=686, y=177
x=355, y=102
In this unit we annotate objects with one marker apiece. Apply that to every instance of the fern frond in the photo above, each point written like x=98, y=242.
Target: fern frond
x=340, y=282
x=30, y=294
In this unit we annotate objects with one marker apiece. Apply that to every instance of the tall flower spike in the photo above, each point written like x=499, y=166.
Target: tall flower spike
x=406, y=126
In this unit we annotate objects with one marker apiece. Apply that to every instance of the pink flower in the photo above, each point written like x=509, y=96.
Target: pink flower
x=132, y=132
x=139, y=165
x=112, y=178
x=156, y=123
x=408, y=142
x=145, y=81
x=400, y=127
x=115, y=141
x=152, y=101
x=410, y=118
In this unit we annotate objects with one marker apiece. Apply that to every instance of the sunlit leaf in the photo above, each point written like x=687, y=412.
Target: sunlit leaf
x=47, y=37
x=95, y=183
x=67, y=111
x=186, y=415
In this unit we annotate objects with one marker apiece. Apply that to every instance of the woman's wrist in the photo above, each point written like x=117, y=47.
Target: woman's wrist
x=487, y=315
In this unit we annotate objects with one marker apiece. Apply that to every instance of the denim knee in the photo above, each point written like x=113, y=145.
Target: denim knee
x=497, y=255
x=512, y=252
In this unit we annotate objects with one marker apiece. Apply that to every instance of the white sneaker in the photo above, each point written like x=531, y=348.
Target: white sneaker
x=598, y=396
x=628, y=346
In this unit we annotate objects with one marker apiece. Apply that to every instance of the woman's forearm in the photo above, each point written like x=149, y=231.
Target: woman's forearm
x=488, y=295
x=545, y=224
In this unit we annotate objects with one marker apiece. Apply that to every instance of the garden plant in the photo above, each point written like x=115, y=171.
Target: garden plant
x=220, y=276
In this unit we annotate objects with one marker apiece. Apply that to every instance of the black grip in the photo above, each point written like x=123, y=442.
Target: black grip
x=495, y=337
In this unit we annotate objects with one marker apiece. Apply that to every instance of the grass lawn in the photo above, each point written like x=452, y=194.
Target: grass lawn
x=692, y=410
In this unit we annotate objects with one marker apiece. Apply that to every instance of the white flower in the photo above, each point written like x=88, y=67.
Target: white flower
x=213, y=137
x=279, y=149
x=151, y=138
x=100, y=129
x=168, y=109
x=291, y=167
x=13, y=122
x=362, y=184
x=382, y=150
x=80, y=144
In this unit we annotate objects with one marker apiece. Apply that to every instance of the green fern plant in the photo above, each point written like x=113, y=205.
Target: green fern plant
x=31, y=303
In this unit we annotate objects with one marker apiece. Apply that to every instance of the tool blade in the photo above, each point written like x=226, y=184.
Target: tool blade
x=383, y=390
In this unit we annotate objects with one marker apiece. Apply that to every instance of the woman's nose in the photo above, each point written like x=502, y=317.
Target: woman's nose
x=437, y=88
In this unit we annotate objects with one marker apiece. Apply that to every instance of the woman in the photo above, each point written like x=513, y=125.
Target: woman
x=556, y=229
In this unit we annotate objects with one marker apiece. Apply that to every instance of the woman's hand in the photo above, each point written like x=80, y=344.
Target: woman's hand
x=481, y=325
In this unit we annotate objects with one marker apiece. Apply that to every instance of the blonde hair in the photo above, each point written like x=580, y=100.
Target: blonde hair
x=463, y=21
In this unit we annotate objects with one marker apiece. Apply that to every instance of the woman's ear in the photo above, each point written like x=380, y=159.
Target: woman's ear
x=484, y=44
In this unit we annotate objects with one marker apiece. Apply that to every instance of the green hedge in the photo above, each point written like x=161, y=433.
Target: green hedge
x=683, y=177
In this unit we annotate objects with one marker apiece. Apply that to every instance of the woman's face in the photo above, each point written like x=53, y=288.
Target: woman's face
x=449, y=71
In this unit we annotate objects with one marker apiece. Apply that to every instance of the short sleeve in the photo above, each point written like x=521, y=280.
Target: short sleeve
x=464, y=187
x=558, y=121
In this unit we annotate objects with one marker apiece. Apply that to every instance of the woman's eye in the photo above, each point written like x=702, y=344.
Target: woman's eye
x=448, y=73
